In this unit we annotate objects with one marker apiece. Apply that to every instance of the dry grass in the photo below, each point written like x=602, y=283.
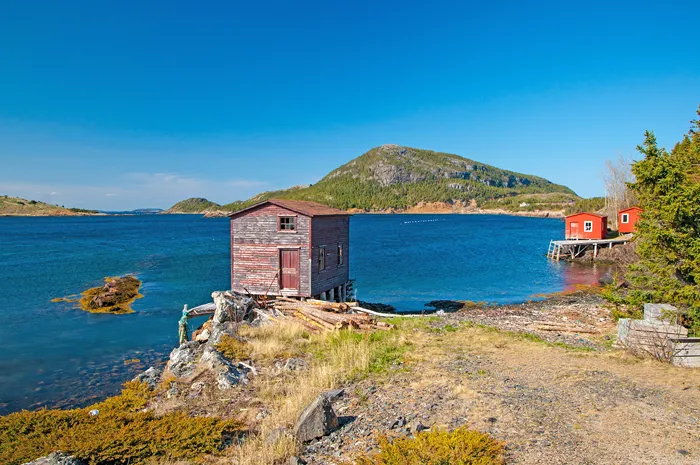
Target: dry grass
x=336, y=357
x=287, y=339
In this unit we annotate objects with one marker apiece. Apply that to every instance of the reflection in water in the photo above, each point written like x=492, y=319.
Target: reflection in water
x=578, y=274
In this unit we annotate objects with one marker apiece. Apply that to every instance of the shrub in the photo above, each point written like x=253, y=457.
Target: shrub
x=233, y=349
x=459, y=447
x=122, y=433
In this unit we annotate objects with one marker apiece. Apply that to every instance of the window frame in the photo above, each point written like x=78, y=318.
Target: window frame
x=588, y=226
x=625, y=218
x=321, y=258
x=340, y=250
x=293, y=223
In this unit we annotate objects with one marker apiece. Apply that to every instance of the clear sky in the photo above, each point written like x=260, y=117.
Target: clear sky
x=121, y=105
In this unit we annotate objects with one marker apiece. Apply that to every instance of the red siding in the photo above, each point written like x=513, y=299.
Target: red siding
x=630, y=226
x=255, y=251
x=329, y=231
x=257, y=248
x=575, y=226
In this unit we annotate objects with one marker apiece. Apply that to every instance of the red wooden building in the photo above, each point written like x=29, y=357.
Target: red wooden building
x=586, y=226
x=292, y=248
x=627, y=218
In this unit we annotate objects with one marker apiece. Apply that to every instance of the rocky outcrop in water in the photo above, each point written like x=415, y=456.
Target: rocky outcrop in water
x=115, y=296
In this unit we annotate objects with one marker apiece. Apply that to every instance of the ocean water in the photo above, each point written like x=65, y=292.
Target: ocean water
x=54, y=355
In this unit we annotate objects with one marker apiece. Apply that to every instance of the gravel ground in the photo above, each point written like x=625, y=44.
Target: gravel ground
x=549, y=404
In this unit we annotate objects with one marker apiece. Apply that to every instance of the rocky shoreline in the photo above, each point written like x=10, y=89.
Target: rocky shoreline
x=541, y=376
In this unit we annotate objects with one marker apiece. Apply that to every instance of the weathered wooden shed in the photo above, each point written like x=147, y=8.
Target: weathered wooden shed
x=627, y=218
x=586, y=226
x=291, y=248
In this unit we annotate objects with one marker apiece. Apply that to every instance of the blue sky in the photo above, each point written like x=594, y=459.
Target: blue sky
x=141, y=104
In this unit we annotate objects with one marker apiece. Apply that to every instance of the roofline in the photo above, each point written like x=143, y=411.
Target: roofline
x=586, y=213
x=631, y=208
x=272, y=201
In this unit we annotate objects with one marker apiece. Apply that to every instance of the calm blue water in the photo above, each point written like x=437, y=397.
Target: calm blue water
x=54, y=355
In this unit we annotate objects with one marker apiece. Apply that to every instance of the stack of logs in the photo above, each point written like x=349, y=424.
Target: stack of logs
x=319, y=315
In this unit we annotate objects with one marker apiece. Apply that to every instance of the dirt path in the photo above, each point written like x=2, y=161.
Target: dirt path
x=549, y=404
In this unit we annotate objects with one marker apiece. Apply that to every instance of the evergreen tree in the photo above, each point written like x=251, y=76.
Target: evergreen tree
x=668, y=188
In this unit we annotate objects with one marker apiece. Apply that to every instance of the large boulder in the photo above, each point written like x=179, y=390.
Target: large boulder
x=57, y=458
x=317, y=420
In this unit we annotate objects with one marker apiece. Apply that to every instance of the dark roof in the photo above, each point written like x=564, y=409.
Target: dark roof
x=302, y=207
x=586, y=213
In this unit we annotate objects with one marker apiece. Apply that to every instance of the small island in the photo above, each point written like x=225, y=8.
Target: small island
x=115, y=296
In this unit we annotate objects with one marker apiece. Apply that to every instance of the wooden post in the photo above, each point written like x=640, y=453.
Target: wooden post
x=344, y=294
x=323, y=295
x=595, y=250
x=331, y=297
x=558, y=251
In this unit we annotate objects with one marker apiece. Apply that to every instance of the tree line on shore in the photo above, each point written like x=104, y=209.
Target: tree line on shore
x=667, y=186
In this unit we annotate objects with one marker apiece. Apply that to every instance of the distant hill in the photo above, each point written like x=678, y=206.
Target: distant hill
x=397, y=178
x=17, y=206
x=193, y=205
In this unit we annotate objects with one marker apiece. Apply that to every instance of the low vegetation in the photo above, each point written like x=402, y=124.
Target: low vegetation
x=459, y=447
x=116, y=431
x=233, y=349
x=115, y=296
x=16, y=206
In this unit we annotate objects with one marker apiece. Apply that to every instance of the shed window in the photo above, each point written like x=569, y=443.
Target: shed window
x=625, y=218
x=321, y=258
x=286, y=223
x=340, y=254
x=588, y=226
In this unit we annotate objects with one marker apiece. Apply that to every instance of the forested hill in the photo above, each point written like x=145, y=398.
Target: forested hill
x=396, y=178
x=193, y=205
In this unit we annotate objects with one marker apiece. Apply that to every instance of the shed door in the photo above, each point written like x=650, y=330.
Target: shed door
x=289, y=268
x=574, y=230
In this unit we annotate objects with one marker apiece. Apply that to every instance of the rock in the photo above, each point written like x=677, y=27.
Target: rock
x=294, y=460
x=173, y=391
x=150, y=377
x=231, y=309
x=317, y=420
x=203, y=336
x=657, y=312
x=227, y=374
x=57, y=458
x=334, y=394
x=606, y=279
x=418, y=427
x=182, y=359
x=291, y=364
x=196, y=390
x=94, y=412
x=399, y=423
